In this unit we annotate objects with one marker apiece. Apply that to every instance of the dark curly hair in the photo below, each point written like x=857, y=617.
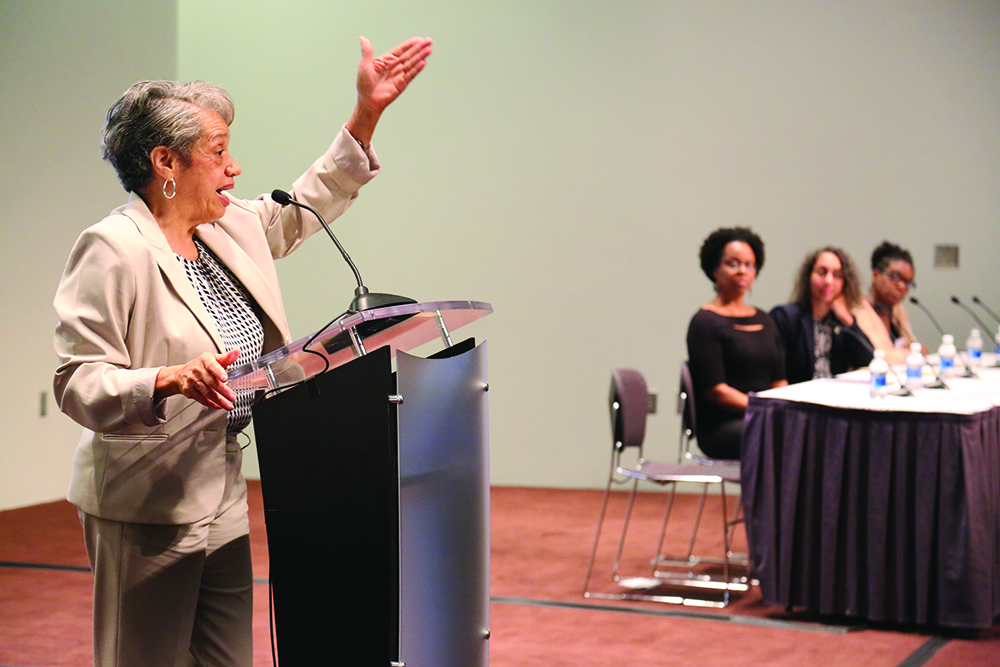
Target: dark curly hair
x=802, y=293
x=713, y=247
x=887, y=252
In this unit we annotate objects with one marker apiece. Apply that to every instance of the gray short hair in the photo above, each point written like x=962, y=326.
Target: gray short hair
x=158, y=113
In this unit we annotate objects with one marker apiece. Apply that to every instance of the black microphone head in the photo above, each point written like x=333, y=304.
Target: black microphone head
x=281, y=197
x=975, y=299
x=954, y=299
x=914, y=301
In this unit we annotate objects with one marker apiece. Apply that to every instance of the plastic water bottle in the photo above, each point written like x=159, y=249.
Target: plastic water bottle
x=974, y=349
x=878, y=369
x=946, y=354
x=915, y=368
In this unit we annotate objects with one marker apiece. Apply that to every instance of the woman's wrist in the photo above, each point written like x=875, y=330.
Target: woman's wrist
x=164, y=384
x=361, y=124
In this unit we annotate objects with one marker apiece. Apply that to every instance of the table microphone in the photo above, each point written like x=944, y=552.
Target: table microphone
x=363, y=299
x=975, y=300
x=985, y=327
x=863, y=339
x=940, y=384
x=922, y=307
x=856, y=335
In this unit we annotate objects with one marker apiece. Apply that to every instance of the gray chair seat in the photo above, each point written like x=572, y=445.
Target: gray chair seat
x=629, y=406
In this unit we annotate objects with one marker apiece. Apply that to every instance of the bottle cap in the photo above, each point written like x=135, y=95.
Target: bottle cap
x=948, y=339
x=915, y=348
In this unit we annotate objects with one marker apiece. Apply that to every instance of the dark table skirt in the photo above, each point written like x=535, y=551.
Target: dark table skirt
x=883, y=516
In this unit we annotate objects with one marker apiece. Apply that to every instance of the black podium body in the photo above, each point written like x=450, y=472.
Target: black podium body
x=376, y=500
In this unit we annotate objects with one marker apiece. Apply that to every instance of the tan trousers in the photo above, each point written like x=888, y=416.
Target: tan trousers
x=172, y=596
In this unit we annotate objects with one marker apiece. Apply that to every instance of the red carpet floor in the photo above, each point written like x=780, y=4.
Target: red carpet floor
x=541, y=540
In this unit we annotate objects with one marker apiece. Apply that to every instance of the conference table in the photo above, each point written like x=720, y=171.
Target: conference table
x=885, y=509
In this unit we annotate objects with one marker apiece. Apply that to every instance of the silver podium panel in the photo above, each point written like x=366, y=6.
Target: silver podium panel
x=444, y=510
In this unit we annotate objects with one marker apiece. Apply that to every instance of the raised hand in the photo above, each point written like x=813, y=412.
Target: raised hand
x=381, y=80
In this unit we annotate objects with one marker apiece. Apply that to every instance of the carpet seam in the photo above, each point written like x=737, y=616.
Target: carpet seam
x=673, y=613
x=924, y=652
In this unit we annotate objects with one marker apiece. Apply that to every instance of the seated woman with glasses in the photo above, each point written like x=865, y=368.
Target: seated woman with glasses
x=820, y=335
x=881, y=314
x=733, y=348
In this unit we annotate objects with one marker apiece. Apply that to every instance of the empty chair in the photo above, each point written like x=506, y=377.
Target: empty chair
x=629, y=407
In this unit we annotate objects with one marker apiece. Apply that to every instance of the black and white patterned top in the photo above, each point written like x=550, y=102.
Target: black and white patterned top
x=232, y=309
x=823, y=341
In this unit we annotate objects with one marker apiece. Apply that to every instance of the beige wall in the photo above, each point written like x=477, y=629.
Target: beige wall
x=62, y=64
x=564, y=162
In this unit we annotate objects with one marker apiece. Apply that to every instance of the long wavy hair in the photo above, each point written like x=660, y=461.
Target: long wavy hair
x=802, y=293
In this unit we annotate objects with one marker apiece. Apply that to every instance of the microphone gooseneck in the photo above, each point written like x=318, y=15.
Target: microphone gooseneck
x=856, y=335
x=363, y=299
x=940, y=384
x=922, y=307
x=975, y=300
x=985, y=327
x=285, y=199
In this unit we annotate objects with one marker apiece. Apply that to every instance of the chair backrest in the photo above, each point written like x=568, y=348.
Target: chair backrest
x=685, y=399
x=629, y=404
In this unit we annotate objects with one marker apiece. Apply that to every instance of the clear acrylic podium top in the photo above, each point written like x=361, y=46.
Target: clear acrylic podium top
x=402, y=328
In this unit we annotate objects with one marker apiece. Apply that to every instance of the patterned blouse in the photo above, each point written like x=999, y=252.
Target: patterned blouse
x=232, y=309
x=823, y=339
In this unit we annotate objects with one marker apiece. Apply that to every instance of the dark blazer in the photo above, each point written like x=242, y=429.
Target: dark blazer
x=849, y=349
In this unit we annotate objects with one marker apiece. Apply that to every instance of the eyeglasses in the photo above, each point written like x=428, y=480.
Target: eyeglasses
x=897, y=277
x=735, y=265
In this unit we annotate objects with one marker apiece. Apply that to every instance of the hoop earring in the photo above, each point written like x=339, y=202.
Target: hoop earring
x=174, y=193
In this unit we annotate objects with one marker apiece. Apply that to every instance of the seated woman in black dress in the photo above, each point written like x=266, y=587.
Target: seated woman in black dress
x=733, y=348
x=820, y=335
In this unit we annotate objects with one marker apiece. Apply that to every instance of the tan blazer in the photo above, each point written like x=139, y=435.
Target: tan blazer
x=126, y=309
x=873, y=326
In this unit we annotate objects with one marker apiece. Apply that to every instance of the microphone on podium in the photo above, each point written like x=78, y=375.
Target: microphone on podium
x=363, y=299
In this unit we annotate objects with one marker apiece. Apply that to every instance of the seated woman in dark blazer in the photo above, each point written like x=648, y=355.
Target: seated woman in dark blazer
x=733, y=348
x=821, y=337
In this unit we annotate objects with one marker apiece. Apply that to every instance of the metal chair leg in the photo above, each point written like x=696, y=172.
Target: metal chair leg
x=597, y=537
x=727, y=543
x=697, y=521
x=735, y=521
x=621, y=542
x=663, y=528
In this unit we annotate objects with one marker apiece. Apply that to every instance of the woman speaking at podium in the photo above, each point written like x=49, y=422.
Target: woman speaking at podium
x=155, y=302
